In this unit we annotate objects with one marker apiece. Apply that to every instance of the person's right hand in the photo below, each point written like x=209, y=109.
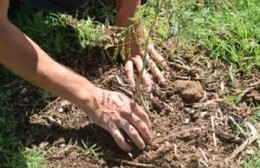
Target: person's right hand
x=114, y=111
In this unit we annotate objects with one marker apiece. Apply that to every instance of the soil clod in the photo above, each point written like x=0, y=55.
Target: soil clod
x=190, y=91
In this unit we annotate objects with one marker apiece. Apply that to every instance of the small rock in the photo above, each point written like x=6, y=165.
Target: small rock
x=186, y=121
x=24, y=90
x=167, y=143
x=189, y=110
x=62, y=146
x=203, y=114
x=64, y=103
x=130, y=155
x=59, y=141
x=60, y=110
x=43, y=145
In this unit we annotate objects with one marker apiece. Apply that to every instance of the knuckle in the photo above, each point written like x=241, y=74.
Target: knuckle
x=150, y=47
x=145, y=118
x=142, y=145
x=145, y=115
x=143, y=127
x=135, y=137
x=118, y=138
x=134, y=133
x=122, y=96
x=137, y=60
x=128, y=69
x=133, y=59
x=122, y=123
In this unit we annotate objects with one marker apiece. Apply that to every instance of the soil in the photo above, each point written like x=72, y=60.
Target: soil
x=189, y=91
x=191, y=119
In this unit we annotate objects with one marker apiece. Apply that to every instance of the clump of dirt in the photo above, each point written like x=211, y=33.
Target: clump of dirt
x=190, y=91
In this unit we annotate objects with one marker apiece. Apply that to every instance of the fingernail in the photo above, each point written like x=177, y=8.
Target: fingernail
x=162, y=80
x=142, y=147
x=149, y=88
x=148, y=141
x=152, y=136
x=166, y=66
x=132, y=86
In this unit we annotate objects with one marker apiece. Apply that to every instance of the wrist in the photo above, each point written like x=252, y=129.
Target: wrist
x=85, y=96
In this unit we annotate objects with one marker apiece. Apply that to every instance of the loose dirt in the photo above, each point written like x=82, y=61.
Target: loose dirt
x=193, y=123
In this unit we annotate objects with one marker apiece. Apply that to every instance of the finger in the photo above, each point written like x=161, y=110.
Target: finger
x=120, y=140
x=158, y=58
x=133, y=134
x=129, y=69
x=139, y=66
x=141, y=114
x=141, y=126
x=155, y=70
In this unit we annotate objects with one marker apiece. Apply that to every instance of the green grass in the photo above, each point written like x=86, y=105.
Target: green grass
x=9, y=143
x=92, y=151
x=227, y=29
x=256, y=117
x=252, y=161
x=230, y=31
x=12, y=152
x=31, y=158
x=64, y=37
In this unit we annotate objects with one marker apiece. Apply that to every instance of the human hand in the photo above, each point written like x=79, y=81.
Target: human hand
x=114, y=111
x=152, y=58
x=132, y=44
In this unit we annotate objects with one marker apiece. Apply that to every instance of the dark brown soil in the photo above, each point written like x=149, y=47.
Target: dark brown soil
x=191, y=119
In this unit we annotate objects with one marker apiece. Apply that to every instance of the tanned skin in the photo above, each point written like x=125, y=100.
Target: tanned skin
x=110, y=110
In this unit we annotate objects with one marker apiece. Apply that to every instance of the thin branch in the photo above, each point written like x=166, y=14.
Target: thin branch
x=203, y=154
x=144, y=59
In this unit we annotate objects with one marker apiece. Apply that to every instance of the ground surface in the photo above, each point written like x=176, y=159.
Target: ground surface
x=201, y=115
x=183, y=112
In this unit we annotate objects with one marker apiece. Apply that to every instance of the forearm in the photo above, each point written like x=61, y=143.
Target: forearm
x=125, y=11
x=25, y=58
